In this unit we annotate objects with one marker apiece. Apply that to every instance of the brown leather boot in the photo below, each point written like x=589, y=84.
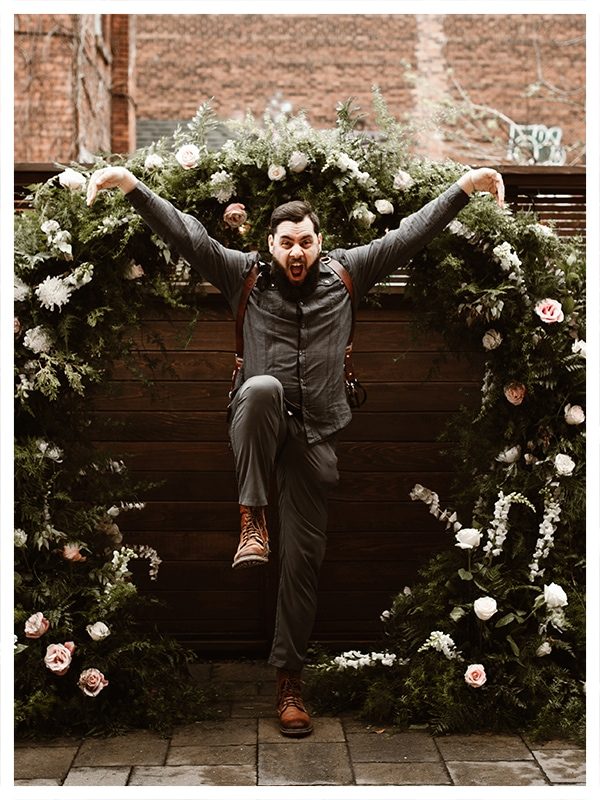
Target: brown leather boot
x=253, y=548
x=293, y=716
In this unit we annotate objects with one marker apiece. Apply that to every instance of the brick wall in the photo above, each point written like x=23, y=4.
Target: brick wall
x=122, y=39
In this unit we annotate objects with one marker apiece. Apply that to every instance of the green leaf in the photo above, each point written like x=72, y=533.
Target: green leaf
x=505, y=620
x=513, y=646
x=465, y=575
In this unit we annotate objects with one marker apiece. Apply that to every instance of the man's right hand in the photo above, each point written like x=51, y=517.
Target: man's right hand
x=110, y=178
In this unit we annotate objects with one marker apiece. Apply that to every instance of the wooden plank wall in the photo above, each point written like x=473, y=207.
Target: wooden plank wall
x=176, y=433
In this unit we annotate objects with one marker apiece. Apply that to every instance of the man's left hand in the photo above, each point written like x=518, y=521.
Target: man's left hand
x=483, y=180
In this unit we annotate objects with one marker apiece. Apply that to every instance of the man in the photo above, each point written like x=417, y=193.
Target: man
x=289, y=401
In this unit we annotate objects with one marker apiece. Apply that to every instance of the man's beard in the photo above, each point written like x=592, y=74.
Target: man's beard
x=288, y=290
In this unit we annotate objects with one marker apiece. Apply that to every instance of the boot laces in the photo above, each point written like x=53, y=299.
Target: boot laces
x=252, y=527
x=290, y=694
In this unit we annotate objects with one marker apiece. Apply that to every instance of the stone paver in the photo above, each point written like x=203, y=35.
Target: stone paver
x=562, y=766
x=496, y=773
x=392, y=747
x=482, y=747
x=206, y=755
x=325, y=729
x=304, y=763
x=43, y=762
x=410, y=774
x=39, y=782
x=243, y=671
x=130, y=749
x=193, y=776
x=216, y=732
x=253, y=707
x=97, y=776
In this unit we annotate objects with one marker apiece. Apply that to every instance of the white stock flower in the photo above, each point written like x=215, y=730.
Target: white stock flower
x=544, y=649
x=542, y=230
x=50, y=226
x=298, y=161
x=385, y=615
x=402, y=180
x=563, y=464
x=72, y=180
x=506, y=256
x=38, y=339
x=276, y=172
x=153, y=161
x=50, y=451
x=510, y=455
x=22, y=290
x=362, y=215
x=98, y=631
x=384, y=207
x=20, y=537
x=579, y=347
x=491, y=339
x=347, y=164
x=53, y=292
x=188, y=156
x=468, y=538
x=554, y=596
x=80, y=276
x=222, y=186
x=485, y=607
x=574, y=415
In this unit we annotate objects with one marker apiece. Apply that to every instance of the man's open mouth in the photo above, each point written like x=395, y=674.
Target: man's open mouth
x=296, y=270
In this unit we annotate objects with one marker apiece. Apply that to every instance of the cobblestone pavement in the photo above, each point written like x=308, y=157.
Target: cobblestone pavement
x=244, y=748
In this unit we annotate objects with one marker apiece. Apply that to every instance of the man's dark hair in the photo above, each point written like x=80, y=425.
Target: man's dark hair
x=294, y=211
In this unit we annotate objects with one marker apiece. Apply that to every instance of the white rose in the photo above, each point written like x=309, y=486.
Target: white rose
x=20, y=537
x=491, y=339
x=188, y=156
x=50, y=226
x=485, y=607
x=298, y=161
x=574, y=415
x=563, y=464
x=153, y=161
x=384, y=207
x=580, y=347
x=402, y=180
x=98, y=631
x=276, y=172
x=544, y=649
x=468, y=538
x=72, y=180
x=510, y=455
x=554, y=596
x=362, y=214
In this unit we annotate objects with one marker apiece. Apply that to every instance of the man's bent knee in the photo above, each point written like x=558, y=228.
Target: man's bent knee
x=261, y=390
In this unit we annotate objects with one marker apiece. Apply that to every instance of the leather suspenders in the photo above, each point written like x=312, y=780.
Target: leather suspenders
x=355, y=393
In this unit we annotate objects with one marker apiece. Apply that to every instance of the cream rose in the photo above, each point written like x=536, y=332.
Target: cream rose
x=563, y=464
x=235, y=215
x=58, y=657
x=188, y=156
x=468, y=538
x=485, y=607
x=515, y=392
x=475, y=675
x=574, y=415
x=72, y=180
x=276, y=172
x=36, y=626
x=384, y=207
x=555, y=596
x=91, y=682
x=491, y=339
x=402, y=180
x=98, y=631
x=510, y=455
x=298, y=161
x=153, y=161
x=549, y=311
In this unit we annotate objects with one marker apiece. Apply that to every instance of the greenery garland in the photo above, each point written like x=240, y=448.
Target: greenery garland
x=491, y=635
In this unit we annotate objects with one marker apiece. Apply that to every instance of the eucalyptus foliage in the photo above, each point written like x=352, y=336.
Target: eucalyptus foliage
x=83, y=276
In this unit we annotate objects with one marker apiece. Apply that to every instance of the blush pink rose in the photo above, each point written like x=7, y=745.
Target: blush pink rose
x=188, y=156
x=235, y=215
x=475, y=675
x=91, y=682
x=58, y=657
x=36, y=626
x=515, y=392
x=72, y=552
x=549, y=311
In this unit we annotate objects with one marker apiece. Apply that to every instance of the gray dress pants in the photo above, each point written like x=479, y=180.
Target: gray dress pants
x=264, y=438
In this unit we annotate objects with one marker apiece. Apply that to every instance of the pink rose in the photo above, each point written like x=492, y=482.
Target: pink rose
x=58, y=657
x=234, y=215
x=17, y=328
x=515, y=392
x=91, y=682
x=549, y=311
x=36, y=626
x=72, y=552
x=475, y=675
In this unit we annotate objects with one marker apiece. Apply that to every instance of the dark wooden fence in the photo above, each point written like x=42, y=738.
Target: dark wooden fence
x=175, y=434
